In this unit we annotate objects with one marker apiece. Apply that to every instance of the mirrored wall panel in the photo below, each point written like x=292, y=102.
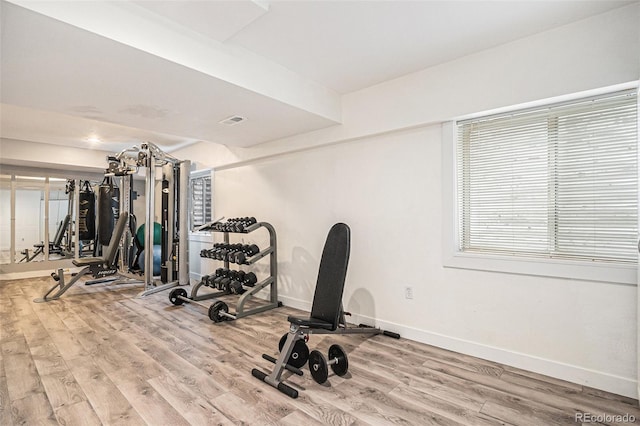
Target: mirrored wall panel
x=5, y=219
x=29, y=220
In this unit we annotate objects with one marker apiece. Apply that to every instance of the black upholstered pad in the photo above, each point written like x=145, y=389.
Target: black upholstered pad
x=327, y=299
x=311, y=323
x=110, y=252
x=57, y=240
x=87, y=261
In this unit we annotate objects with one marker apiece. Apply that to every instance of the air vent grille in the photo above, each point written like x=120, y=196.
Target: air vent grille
x=233, y=120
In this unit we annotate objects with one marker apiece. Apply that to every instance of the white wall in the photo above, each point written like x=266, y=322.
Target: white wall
x=33, y=154
x=380, y=172
x=28, y=220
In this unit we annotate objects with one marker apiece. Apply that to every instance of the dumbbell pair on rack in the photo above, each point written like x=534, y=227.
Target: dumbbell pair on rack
x=234, y=253
x=235, y=224
x=230, y=281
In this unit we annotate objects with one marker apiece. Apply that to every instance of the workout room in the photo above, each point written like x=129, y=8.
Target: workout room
x=319, y=212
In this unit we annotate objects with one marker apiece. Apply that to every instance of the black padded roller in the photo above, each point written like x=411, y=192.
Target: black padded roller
x=391, y=334
x=287, y=390
x=258, y=374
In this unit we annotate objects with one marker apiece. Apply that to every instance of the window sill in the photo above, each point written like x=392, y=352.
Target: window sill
x=565, y=269
x=201, y=236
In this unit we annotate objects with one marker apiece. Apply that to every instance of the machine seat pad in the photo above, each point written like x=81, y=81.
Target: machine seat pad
x=88, y=261
x=311, y=323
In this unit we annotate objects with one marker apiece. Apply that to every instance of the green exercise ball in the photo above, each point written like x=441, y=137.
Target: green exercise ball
x=157, y=234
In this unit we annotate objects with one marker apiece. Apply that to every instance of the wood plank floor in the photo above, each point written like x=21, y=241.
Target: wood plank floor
x=101, y=356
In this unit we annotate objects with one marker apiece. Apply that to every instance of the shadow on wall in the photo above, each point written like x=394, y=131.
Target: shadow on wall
x=361, y=303
x=297, y=278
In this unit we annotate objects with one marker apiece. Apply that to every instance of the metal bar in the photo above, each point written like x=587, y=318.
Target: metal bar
x=62, y=287
x=194, y=290
x=101, y=281
x=125, y=240
x=13, y=220
x=195, y=302
x=45, y=240
x=256, y=257
x=210, y=295
x=73, y=237
x=347, y=330
x=183, y=223
x=287, y=366
x=169, y=174
x=149, y=222
x=257, y=310
x=274, y=378
x=226, y=241
x=273, y=261
x=152, y=289
x=246, y=296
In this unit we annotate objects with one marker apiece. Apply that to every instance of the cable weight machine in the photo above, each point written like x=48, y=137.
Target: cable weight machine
x=116, y=259
x=174, y=215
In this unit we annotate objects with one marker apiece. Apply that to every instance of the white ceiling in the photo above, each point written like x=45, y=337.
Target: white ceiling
x=169, y=71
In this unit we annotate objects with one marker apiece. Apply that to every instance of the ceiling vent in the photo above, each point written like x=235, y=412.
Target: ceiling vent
x=234, y=119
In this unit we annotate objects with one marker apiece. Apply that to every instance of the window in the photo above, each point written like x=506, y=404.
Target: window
x=201, y=198
x=556, y=182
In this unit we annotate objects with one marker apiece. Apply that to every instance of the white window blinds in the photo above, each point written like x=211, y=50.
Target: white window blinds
x=559, y=181
x=201, y=202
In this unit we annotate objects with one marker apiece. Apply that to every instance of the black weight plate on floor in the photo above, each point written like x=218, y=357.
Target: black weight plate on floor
x=215, y=309
x=173, y=296
x=299, y=353
x=342, y=366
x=318, y=367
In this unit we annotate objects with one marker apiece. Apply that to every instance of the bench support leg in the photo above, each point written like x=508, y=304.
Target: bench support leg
x=61, y=286
x=274, y=379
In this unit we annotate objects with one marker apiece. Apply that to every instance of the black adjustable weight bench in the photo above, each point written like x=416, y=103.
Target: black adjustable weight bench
x=98, y=267
x=327, y=315
x=55, y=246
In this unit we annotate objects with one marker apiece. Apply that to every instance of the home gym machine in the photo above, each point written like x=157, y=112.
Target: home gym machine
x=117, y=258
x=174, y=212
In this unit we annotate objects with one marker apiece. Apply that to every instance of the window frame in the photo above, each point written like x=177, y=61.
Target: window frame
x=199, y=174
x=548, y=267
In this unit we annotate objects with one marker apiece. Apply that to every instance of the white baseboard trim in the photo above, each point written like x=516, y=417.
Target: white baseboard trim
x=583, y=376
x=16, y=271
x=295, y=303
x=35, y=274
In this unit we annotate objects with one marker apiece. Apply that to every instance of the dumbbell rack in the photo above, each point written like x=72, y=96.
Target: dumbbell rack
x=270, y=281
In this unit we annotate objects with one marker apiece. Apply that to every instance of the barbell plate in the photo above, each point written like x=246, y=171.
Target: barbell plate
x=299, y=353
x=176, y=293
x=318, y=367
x=215, y=309
x=342, y=366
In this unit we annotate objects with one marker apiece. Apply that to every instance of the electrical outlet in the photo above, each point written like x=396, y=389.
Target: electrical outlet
x=408, y=292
